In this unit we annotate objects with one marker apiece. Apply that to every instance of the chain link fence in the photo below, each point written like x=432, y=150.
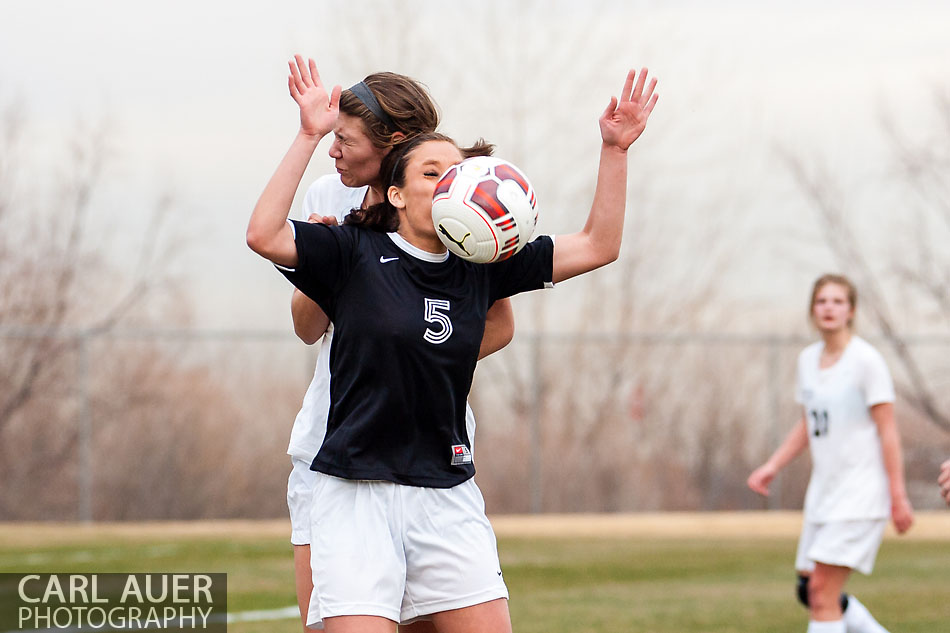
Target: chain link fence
x=165, y=424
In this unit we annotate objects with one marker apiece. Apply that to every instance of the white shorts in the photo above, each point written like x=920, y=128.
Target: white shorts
x=400, y=552
x=852, y=544
x=300, y=483
x=299, y=500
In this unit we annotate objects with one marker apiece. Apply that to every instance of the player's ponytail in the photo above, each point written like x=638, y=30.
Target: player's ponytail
x=481, y=147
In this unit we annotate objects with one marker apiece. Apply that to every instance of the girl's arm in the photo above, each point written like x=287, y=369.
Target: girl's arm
x=268, y=233
x=901, y=511
x=620, y=125
x=793, y=445
x=943, y=480
x=310, y=321
x=499, y=328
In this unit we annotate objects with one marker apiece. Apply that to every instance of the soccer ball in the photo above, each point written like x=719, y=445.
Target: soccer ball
x=483, y=209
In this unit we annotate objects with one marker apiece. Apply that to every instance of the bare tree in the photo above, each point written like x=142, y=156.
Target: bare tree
x=919, y=271
x=533, y=84
x=54, y=285
x=50, y=279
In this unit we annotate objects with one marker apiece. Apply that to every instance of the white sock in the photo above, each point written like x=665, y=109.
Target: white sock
x=859, y=620
x=835, y=626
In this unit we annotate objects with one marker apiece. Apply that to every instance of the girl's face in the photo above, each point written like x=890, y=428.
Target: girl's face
x=356, y=159
x=425, y=165
x=832, y=310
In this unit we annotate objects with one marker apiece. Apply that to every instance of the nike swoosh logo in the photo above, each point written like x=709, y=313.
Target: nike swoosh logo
x=383, y=260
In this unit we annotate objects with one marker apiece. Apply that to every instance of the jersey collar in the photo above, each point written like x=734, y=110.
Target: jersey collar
x=418, y=253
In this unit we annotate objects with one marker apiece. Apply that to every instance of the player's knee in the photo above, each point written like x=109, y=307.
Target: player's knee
x=801, y=591
x=819, y=598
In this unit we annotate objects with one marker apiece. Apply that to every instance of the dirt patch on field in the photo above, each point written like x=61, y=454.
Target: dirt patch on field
x=685, y=525
x=13, y=534
x=726, y=525
x=651, y=525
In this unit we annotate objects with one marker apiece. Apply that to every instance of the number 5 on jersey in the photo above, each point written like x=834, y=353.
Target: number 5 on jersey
x=435, y=313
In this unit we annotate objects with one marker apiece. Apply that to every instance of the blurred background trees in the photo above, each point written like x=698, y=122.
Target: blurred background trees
x=101, y=414
x=656, y=383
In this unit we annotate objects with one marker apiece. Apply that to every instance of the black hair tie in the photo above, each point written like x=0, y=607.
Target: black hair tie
x=362, y=92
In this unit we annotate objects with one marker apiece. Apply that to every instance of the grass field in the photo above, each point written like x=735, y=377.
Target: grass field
x=684, y=573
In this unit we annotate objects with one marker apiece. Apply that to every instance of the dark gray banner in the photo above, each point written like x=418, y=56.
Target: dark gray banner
x=113, y=602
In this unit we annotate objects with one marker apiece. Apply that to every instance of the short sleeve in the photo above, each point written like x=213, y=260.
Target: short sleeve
x=877, y=382
x=324, y=261
x=327, y=196
x=311, y=200
x=532, y=268
x=799, y=379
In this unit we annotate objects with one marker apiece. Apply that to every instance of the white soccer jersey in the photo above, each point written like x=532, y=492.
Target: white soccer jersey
x=848, y=480
x=326, y=196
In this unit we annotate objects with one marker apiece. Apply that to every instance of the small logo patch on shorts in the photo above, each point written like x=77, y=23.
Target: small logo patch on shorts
x=461, y=455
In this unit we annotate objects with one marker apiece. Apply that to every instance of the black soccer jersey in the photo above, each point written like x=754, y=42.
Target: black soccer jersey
x=407, y=329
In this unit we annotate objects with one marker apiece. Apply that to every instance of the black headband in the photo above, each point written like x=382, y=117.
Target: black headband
x=362, y=92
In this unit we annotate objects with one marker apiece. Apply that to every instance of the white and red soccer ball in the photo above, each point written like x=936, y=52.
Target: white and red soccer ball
x=483, y=209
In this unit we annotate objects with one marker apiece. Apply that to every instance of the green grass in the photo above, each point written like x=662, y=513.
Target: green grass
x=693, y=586
x=686, y=585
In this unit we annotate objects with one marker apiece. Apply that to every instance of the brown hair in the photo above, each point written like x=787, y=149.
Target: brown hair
x=383, y=216
x=404, y=100
x=481, y=147
x=840, y=280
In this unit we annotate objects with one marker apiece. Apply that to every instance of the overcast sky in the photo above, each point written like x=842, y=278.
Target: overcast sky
x=196, y=91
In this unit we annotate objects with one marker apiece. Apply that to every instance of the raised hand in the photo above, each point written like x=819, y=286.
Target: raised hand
x=318, y=109
x=624, y=120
